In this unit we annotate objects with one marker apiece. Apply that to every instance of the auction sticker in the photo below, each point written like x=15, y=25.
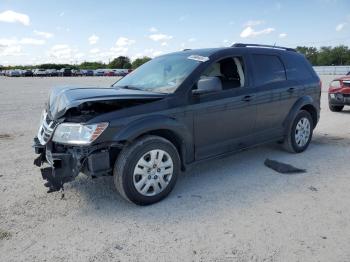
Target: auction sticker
x=198, y=58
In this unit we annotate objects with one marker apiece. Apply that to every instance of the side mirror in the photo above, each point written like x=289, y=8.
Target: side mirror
x=207, y=85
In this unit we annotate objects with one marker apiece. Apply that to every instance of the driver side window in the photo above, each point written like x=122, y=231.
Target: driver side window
x=225, y=74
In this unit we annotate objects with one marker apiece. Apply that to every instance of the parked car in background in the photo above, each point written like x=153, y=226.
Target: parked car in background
x=88, y=72
x=40, y=72
x=175, y=110
x=339, y=93
x=15, y=73
x=27, y=73
x=77, y=72
x=99, y=72
x=109, y=72
x=65, y=72
x=51, y=72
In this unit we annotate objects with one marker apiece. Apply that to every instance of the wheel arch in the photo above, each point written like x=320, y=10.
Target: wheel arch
x=304, y=103
x=162, y=126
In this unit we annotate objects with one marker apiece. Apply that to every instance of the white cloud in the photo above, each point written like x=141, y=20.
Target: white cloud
x=32, y=41
x=93, y=39
x=124, y=41
x=227, y=42
x=43, y=34
x=6, y=50
x=94, y=51
x=340, y=27
x=157, y=53
x=192, y=39
x=119, y=50
x=164, y=44
x=282, y=35
x=160, y=37
x=153, y=29
x=61, y=52
x=61, y=14
x=253, y=23
x=10, y=16
x=250, y=32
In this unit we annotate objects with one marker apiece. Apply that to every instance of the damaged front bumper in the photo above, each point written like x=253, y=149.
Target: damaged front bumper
x=60, y=164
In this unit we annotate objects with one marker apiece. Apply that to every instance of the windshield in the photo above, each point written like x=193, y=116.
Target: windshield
x=162, y=74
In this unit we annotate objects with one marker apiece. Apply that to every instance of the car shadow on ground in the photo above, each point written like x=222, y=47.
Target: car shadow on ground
x=233, y=182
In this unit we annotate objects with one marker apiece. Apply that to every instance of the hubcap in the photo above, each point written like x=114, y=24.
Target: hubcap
x=302, y=132
x=153, y=172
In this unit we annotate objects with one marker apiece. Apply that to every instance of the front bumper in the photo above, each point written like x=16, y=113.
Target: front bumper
x=60, y=164
x=338, y=99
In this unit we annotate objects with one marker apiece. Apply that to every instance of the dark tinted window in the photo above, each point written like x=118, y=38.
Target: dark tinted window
x=268, y=69
x=297, y=68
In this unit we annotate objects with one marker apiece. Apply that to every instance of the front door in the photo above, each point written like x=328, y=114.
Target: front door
x=224, y=119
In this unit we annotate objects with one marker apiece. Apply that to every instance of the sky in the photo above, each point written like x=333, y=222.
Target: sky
x=48, y=31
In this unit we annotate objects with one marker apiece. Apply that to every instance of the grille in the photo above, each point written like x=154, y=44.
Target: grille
x=47, y=126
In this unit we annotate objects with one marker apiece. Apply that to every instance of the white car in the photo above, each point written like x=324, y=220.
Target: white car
x=40, y=72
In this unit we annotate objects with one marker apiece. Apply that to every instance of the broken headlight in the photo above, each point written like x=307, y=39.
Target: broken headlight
x=78, y=134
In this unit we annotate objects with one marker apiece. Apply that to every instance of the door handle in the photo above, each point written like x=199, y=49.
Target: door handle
x=291, y=90
x=247, y=98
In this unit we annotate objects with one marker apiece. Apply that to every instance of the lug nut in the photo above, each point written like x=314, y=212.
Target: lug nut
x=155, y=177
x=149, y=177
x=158, y=170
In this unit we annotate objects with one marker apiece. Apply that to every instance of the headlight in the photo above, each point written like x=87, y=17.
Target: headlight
x=78, y=134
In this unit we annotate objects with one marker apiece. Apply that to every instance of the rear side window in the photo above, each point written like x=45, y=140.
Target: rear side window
x=268, y=69
x=297, y=68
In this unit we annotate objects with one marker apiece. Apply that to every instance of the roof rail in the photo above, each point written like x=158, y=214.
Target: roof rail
x=263, y=46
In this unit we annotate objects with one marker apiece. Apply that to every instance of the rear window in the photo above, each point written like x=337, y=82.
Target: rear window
x=297, y=68
x=268, y=69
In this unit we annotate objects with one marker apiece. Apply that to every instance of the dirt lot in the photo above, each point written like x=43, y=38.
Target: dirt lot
x=233, y=209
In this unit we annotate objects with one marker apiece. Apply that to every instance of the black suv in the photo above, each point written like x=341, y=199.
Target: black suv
x=176, y=110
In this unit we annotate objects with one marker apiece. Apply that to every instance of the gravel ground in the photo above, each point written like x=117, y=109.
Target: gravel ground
x=233, y=209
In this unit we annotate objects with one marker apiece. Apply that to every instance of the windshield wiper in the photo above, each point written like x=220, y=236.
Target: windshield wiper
x=129, y=87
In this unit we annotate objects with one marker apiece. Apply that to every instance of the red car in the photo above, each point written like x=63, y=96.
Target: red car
x=109, y=73
x=339, y=93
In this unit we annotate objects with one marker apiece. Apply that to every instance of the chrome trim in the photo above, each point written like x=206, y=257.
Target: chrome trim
x=47, y=126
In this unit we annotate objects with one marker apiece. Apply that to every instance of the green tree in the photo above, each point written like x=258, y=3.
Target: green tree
x=92, y=65
x=310, y=53
x=121, y=62
x=140, y=61
x=340, y=55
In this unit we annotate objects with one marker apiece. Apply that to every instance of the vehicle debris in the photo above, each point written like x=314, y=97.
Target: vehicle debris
x=5, y=136
x=282, y=167
x=313, y=188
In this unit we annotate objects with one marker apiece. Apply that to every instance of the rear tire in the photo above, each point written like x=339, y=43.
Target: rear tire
x=300, y=133
x=335, y=108
x=146, y=170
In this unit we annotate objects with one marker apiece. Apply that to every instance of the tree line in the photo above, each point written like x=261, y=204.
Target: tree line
x=323, y=56
x=121, y=62
x=326, y=55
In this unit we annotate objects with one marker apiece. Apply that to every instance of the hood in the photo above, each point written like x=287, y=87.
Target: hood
x=64, y=98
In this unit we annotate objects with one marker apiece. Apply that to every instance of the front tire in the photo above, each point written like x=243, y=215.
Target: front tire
x=300, y=133
x=335, y=108
x=146, y=170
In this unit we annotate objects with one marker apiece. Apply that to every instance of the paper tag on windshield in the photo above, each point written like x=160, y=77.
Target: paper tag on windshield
x=198, y=58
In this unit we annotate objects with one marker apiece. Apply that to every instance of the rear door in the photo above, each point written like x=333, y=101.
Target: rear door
x=274, y=95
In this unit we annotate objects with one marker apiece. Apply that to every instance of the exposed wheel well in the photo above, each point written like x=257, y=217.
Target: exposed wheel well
x=313, y=112
x=174, y=139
